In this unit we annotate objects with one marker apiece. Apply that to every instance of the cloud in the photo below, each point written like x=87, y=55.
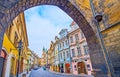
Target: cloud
x=43, y=23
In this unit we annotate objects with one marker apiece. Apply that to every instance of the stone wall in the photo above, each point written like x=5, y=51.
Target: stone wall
x=112, y=42
x=110, y=26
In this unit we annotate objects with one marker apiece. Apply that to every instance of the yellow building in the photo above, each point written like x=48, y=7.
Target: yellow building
x=36, y=59
x=14, y=33
x=39, y=61
x=51, y=56
x=29, y=61
x=56, y=58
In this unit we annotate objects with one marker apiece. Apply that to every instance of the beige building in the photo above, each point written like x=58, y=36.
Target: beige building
x=81, y=63
x=51, y=56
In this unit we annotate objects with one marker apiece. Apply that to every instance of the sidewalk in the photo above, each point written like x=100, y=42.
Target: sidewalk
x=81, y=75
x=24, y=74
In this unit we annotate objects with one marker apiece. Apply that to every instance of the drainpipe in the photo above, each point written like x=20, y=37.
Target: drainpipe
x=107, y=59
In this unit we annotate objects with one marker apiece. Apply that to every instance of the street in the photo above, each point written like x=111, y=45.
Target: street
x=45, y=73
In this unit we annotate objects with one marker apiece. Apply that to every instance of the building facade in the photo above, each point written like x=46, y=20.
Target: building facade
x=51, y=56
x=56, y=60
x=70, y=53
x=64, y=53
x=14, y=33
x=81, y=63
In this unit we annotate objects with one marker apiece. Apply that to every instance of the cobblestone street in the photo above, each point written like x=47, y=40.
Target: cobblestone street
x=45, y=73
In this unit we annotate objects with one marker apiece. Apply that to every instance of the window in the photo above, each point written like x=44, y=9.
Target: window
x=88, y=66
x=63, y=44
x=75, y=67
x=76, y=37
x=67, y=53
x=73, y=53
x=15, y=39
x=75, y=61
x=61, y=55
x=64, y=55
x=66, y=42
x=85, y=49
x=9, y=31
x=79, y=51
x=71, y=39
x=60, y=45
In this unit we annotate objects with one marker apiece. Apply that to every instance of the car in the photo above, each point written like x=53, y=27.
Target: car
x=44, y=68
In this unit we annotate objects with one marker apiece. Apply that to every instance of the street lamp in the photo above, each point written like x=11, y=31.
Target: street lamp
x=19, y=50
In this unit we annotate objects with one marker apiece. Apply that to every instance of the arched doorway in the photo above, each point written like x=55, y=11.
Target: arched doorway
x=3, y=56
x=67, y=68
x=10, y=9
x=81, y=68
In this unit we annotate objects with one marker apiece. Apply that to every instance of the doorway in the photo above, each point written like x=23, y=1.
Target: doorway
x=3, y=56
x=81, y=68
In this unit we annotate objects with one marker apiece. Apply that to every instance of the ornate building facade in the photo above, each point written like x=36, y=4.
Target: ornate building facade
x=81, y=63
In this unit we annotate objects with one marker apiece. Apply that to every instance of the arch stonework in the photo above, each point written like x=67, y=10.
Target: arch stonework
x=9, y=9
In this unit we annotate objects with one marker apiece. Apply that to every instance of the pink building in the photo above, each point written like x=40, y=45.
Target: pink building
x=81, y=63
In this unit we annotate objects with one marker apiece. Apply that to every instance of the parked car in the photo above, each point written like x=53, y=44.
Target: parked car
x=44, y=68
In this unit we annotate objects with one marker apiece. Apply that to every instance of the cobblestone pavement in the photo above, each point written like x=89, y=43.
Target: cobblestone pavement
x=45, y=73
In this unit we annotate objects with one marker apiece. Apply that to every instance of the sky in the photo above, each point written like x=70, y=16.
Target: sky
x=43, y=24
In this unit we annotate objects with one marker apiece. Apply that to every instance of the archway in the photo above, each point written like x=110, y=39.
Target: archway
x=67, y=68
x=81, y=68
x=11, y=8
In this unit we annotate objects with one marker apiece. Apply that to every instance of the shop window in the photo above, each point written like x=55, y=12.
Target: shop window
x=74, y=66
x=88, y=67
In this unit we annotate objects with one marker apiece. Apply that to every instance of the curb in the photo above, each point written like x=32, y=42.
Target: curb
x=81, y=75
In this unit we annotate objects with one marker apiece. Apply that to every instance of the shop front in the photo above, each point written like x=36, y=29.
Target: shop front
x=67, y=68
x=81, y=68
x=62, y=68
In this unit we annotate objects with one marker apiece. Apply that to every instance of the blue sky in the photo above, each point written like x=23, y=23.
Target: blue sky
x=43, y=24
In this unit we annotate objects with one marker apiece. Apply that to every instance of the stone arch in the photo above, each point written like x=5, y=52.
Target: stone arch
x=11, y=8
